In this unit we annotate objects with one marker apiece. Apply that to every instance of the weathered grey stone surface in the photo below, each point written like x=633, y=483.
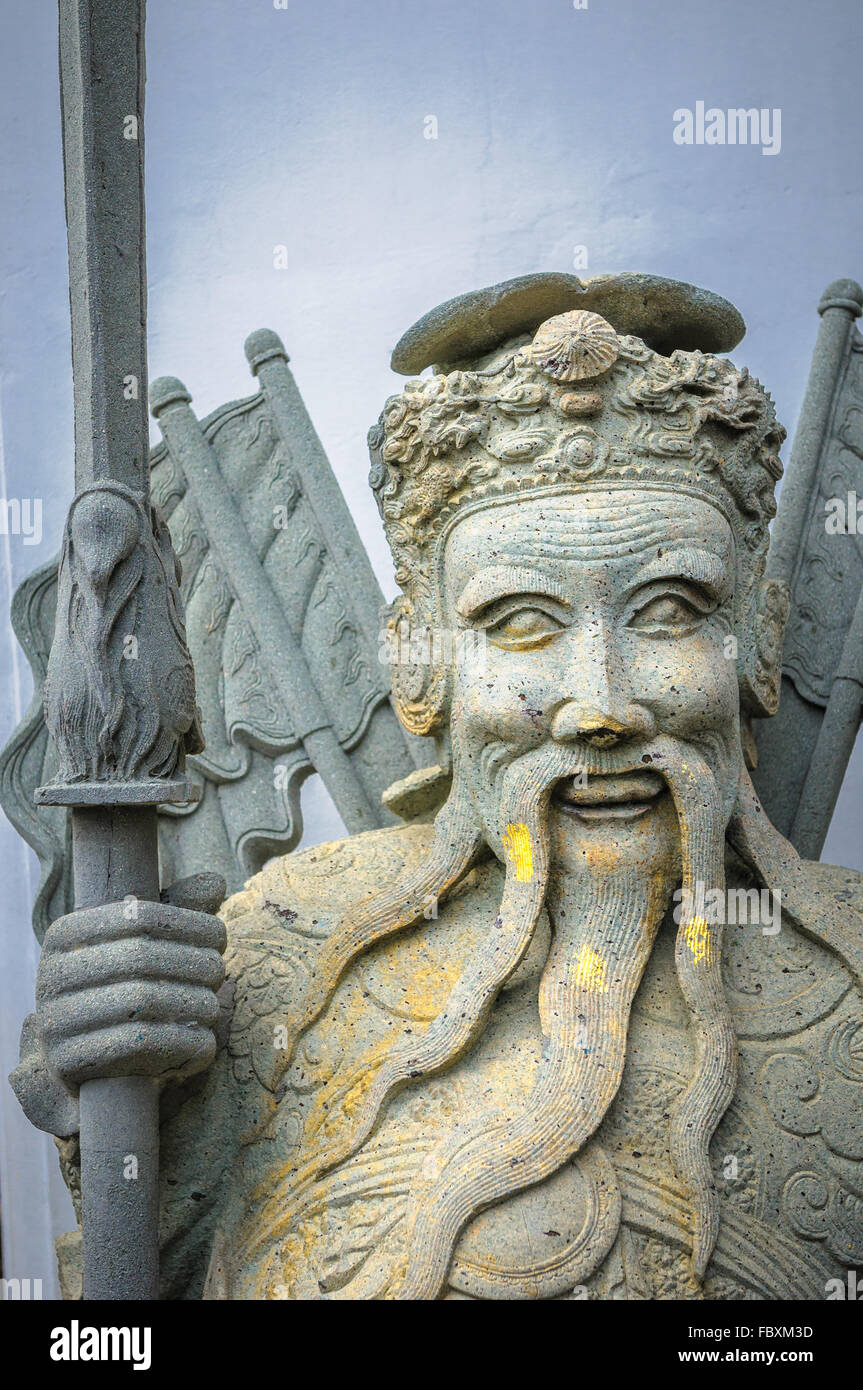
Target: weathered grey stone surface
x=666, y=314
x=805, y=749
x=119, y=690
x=595, y=1032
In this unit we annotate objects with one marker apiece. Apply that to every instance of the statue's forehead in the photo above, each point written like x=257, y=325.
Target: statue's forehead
x=599, y=524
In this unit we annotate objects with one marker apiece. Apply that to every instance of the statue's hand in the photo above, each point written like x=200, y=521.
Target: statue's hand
x=129, y=988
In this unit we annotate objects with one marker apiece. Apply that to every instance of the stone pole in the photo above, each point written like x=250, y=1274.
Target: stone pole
x=119, y=694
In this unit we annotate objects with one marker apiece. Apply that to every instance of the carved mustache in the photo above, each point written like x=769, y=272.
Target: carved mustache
x=636, y=773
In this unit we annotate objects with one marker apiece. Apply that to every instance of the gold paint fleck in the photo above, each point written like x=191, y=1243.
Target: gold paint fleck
x=591, y=971
x=696, y=934
x=516, y=842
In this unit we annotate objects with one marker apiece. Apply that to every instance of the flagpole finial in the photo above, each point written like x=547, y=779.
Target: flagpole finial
x=842, y=294
x=165, y=391
x=263, y=345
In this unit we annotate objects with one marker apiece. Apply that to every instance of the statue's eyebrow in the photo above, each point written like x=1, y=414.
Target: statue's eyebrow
x=502, y=581
x=690, y=562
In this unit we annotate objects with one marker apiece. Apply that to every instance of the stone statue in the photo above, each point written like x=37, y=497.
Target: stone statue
x=586, y=1026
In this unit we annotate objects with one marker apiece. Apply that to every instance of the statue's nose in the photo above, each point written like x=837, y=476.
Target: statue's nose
x=598, y=707
x=599, y=727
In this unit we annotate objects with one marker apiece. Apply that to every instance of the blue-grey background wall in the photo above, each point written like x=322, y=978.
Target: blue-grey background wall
x=304, y=125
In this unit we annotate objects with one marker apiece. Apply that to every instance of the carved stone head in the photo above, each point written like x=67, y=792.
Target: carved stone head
x=576, y=415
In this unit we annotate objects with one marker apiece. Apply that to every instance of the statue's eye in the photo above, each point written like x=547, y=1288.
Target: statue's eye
x=523, y=628
x=666, y=613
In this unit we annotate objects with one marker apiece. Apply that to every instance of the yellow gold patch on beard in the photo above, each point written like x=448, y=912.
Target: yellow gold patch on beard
x=591, y=971
x=697, y=936
x=516, y=842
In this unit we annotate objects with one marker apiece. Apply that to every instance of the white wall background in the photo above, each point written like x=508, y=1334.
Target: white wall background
x=304, y=127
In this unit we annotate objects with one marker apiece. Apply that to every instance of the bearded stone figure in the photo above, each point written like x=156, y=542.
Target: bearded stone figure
x=526, y=1047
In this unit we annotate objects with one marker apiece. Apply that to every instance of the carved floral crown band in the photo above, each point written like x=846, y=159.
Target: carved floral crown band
x=577, y=403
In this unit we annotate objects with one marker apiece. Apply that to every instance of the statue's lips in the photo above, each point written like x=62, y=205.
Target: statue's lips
x=618, y=796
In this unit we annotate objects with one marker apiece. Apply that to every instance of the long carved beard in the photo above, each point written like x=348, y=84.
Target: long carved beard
x=526, y=790
x=456, y=841
x=605, y=924
x=698, y=958
x=604, y=927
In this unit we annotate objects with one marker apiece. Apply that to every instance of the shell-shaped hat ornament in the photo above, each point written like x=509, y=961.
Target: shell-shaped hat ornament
x=575, y=346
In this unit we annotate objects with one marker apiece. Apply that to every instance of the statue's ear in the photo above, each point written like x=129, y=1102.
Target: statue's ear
x=760, y=657
x=419, y=670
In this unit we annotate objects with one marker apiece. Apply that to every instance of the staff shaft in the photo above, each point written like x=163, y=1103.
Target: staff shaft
x=115, y=846
x=115, y=856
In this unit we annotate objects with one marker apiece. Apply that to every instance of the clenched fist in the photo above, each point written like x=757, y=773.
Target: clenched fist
x=129, y=989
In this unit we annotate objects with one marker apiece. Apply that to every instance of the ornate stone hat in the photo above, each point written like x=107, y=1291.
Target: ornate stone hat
x=665, y=314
